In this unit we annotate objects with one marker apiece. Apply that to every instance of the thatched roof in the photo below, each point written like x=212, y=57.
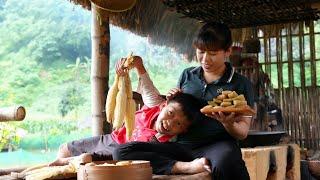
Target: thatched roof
x=151, y=18
x=168, y=22
x=244, y=13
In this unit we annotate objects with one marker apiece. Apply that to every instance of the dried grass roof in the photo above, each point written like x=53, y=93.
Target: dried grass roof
x=168, y=22
x=247, y=13
x=151, y=18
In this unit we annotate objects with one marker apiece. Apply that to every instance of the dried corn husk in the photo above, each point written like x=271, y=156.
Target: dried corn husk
x=121, y=103
x=111, y=100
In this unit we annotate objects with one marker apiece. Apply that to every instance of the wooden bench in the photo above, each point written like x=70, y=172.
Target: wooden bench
x=263, y=163
x=273, y=162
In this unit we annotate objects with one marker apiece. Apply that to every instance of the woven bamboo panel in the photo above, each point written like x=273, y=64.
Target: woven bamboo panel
x=288, y=57
x=292, y=67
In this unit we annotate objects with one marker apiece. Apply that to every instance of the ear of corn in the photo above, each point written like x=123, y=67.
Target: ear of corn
x=111, y=100
x=129, y=118
x=120, y=107
x=130, y=111
x=121, y=103
x=50, y=171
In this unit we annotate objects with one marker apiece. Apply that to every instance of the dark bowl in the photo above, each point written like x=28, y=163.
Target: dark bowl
x=262, y=138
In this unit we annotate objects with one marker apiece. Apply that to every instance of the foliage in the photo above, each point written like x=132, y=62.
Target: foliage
x=36, y=30
x=70, y=100
x=45, y=134
x=9, y=138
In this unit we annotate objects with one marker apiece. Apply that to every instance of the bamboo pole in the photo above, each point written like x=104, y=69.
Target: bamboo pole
x=100, y=33
x=302, y=118
x=15, y=113
x=313, y=55
x=316, y=115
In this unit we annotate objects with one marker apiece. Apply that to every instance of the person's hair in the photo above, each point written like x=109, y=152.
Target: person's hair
x=213, y=37
x=189, y=104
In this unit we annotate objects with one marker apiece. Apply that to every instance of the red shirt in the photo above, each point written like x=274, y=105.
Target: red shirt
x=144, y=121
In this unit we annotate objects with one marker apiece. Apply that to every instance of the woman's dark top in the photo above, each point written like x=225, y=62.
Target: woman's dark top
x=207, y=130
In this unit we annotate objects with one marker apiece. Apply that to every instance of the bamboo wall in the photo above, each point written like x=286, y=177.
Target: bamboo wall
x=291, y=57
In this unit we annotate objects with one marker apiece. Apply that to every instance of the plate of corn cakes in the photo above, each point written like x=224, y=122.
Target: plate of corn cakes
x=228, y=102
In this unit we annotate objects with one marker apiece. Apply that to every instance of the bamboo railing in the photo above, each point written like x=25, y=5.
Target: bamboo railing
x=287, y=55
x=302, y=114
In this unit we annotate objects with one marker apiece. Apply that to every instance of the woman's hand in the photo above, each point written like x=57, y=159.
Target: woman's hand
x=138, y=64
x=173, y=92
x=227, y=119
x=236, y=125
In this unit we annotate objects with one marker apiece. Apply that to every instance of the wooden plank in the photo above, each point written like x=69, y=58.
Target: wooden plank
x=202, y=176
x=311, y=104
x=317, y=114
x=301, y=55
x=293, y=162
x=301, y=118
x=312, y=55
x=290, y=56
x=291, y=104
x=281, y=163
x=305, y=125
x=302, y=98
x=266, y=50
x=286, y=111
x=307, y=120
x=294, y=108
x=299, y=112
x=257, y=162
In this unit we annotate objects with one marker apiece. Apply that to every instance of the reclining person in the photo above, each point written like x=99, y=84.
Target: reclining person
x=158, y=120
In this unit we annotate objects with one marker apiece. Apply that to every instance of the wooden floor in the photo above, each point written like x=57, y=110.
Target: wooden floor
x=263, y=163
x=202, y=176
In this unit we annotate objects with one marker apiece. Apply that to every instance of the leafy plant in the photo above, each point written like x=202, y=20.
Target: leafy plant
x=70, y=100
x=9, y=139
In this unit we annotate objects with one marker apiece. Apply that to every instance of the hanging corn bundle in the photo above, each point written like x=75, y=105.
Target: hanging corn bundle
x=111, y=102
x=120, y=107
x=121, y=103
x=130, y=109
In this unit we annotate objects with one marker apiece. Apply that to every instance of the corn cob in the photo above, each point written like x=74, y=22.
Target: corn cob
x=48, y=172
x=111, y=100
x=130, y=110
x=120, y=108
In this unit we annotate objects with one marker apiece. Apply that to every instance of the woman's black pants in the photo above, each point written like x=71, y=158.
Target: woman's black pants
x=224, y=156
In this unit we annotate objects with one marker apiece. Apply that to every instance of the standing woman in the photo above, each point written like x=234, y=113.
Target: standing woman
x=213, y=138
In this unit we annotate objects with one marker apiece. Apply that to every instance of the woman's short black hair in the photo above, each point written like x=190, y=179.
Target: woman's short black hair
x=213, y=37
x=190, y=105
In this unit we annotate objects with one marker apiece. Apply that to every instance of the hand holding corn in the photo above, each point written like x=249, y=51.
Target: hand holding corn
x=120, y=107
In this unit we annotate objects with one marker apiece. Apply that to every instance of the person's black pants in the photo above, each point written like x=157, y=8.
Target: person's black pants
x=162, y=156
x=224, y=156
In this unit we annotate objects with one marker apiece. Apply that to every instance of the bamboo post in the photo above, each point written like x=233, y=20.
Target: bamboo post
x=15, y=113
x=100, y=33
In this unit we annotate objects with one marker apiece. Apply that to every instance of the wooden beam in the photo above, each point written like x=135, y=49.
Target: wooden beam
x=14, y=113
x=100, y=33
